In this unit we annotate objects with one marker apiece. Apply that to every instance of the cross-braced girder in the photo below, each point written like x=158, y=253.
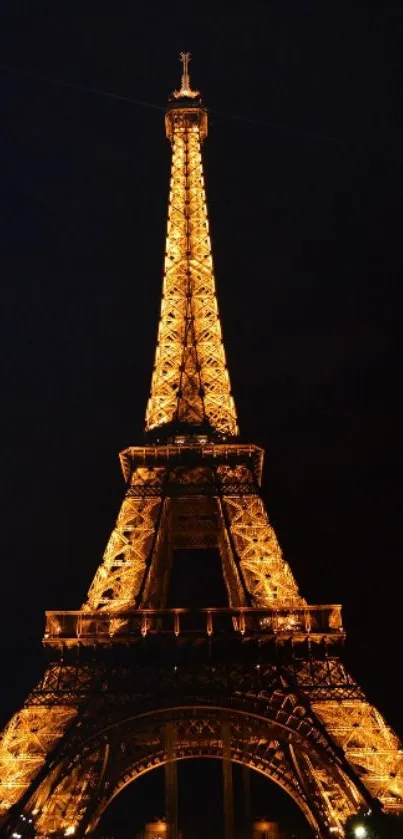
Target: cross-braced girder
x=169, y=505
x=32, y=734
x=371, y=747
x=268, y=578
x=119, y=578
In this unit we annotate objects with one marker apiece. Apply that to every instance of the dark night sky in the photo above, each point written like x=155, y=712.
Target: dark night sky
x=304, y=179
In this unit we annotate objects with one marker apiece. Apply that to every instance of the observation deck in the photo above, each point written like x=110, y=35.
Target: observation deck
x=198, y=452
x=308, y=623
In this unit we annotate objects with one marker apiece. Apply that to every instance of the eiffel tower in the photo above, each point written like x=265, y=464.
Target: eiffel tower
x=134, y=680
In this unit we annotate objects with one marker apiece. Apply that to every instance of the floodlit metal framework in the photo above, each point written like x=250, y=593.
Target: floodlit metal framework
x=131, y=684
x=223, y=488
x=190, y=382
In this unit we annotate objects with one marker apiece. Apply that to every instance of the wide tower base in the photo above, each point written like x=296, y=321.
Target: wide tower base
x=261, y=677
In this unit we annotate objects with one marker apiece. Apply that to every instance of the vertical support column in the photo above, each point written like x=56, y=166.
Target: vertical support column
x=247, y=802
x=227, y=782
x=171, y=781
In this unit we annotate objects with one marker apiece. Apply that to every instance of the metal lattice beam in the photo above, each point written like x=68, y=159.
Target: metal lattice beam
x=268, y=577
x=370, y=746
x=119, y=578
x=28, y=739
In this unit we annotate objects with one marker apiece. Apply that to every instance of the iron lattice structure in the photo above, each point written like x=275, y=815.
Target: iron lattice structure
x=131, y=684
x=190, y=382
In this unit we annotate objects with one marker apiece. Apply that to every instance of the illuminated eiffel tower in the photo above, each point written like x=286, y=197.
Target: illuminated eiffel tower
x=134, y=680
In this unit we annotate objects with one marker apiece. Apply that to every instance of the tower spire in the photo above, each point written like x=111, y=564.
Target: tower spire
x=190, y=386
x=186, y=88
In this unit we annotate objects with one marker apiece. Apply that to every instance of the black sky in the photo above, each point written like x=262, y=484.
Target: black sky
x=304, y=176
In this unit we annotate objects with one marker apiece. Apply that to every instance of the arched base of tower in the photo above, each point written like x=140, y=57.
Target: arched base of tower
x=119, y=735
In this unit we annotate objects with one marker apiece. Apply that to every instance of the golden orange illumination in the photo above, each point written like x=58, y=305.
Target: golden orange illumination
x=131, y=684
x=190, y=382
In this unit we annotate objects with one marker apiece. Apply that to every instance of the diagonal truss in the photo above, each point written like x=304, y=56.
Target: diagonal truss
x=253, y=565
x=268, y=577
x=32, y=734
x=24, y=746
x=370, y=746
x=119, y=578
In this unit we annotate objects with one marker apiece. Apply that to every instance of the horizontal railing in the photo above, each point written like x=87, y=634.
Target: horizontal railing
x=281, y=623
x=198, y=453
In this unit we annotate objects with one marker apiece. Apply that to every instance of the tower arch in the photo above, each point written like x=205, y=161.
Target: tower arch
x=118, y=751
x=205, y=755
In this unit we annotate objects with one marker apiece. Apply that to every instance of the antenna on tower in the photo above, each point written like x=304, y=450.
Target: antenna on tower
x=185, y=89
x=185, y=81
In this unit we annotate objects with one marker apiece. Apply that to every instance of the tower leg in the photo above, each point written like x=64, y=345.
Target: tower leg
x=227, y=782
x=171, y=781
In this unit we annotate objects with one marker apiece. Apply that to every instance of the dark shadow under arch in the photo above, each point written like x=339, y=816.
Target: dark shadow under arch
x=257, y=742
x=302, y=806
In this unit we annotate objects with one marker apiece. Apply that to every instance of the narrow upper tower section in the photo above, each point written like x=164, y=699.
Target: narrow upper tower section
x=190, y=388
